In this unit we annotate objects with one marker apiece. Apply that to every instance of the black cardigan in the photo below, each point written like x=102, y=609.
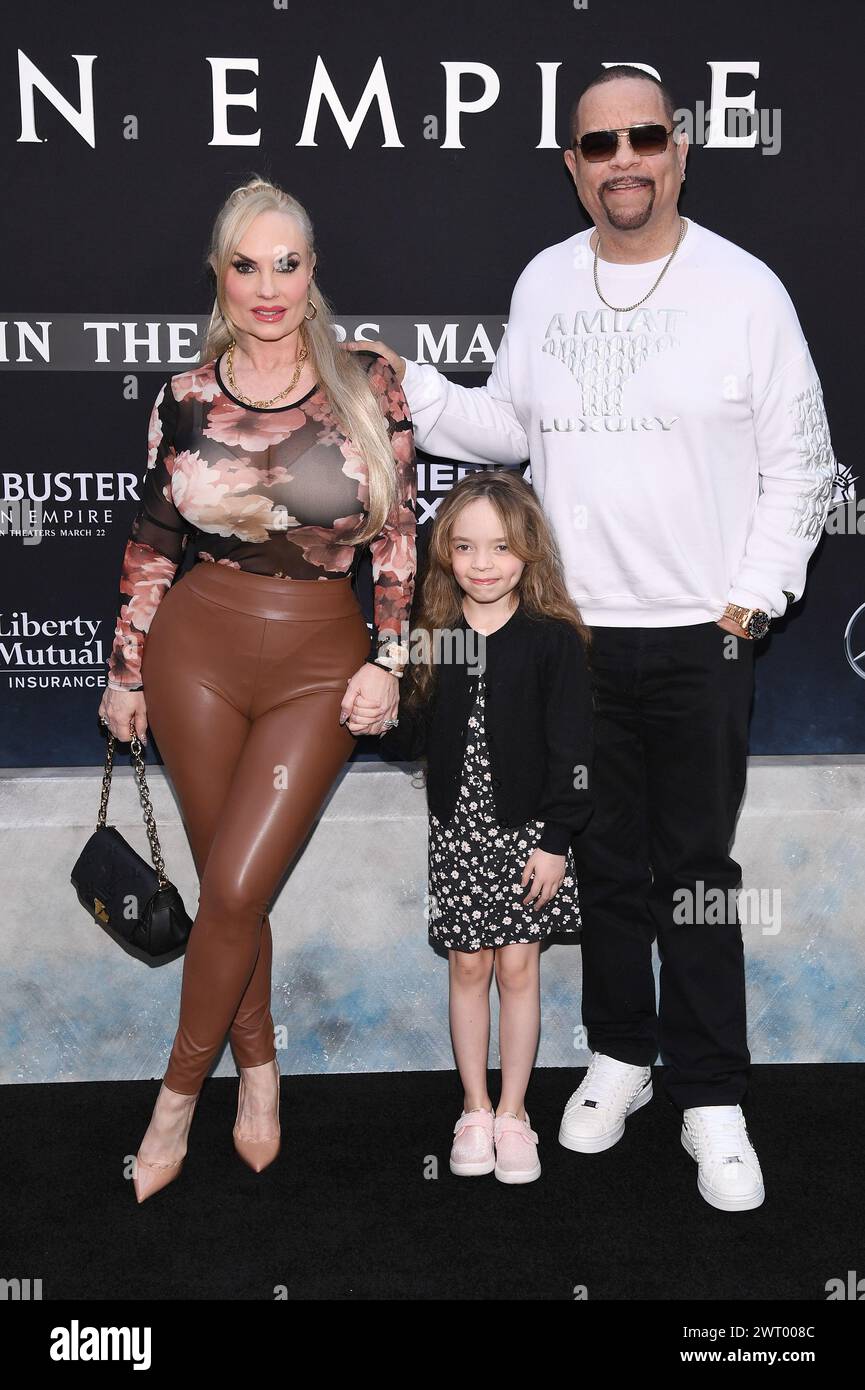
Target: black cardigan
x=538, y=721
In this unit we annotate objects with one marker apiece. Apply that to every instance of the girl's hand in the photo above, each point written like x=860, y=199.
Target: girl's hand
x=549, y=871
x=388, y=353
x=371, y=697
x=121, y=706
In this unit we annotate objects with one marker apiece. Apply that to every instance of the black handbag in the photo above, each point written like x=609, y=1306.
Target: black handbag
x=119, y=888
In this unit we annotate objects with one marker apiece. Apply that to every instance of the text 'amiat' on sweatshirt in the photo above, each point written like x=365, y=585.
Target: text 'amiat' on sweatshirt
x=680, y=449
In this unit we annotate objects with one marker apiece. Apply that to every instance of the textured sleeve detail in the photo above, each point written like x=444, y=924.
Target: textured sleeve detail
x=797, y=469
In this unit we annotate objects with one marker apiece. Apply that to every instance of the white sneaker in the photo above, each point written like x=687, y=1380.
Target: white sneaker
x=594, y=1117
x=728, y=1170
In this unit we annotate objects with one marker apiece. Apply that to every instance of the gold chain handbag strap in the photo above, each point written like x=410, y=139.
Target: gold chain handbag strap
x=149, y=821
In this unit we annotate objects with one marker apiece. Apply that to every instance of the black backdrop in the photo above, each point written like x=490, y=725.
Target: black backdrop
x=106, y=222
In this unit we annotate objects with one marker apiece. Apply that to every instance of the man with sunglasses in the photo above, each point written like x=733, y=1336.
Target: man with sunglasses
x=657, y=378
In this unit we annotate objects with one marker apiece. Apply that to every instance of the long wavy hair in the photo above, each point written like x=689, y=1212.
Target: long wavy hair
x=540, y=589
x=342, y=378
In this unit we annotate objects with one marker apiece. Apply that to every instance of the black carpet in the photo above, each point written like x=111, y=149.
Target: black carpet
x=349, y=1209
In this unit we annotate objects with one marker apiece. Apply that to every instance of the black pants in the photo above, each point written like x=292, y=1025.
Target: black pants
x=671, y=720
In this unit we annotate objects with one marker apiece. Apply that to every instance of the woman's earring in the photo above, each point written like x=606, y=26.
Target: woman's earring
x=313, y=308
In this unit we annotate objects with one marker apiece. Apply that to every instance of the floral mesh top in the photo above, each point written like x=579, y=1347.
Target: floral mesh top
x=272, y=490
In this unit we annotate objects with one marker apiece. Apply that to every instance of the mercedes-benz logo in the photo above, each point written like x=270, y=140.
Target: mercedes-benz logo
x=854, y=641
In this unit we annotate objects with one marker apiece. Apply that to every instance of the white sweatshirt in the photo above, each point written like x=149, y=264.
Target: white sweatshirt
x=680, y=449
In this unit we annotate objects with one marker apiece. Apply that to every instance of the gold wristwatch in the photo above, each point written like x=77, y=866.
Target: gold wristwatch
x=752, y=620
x=392, y=656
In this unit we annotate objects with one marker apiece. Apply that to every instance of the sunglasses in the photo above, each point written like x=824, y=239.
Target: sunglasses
x=600, y=145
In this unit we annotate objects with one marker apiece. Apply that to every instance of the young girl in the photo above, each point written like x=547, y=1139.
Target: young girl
x=497, y=696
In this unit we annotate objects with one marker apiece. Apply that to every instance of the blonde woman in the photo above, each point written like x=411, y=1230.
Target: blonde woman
x=278, y=460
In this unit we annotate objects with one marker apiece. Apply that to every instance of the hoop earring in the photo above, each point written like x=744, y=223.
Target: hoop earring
x=314, y=313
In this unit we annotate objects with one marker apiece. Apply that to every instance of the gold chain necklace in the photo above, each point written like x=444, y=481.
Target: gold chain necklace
x=626, y=308
x=262, y=405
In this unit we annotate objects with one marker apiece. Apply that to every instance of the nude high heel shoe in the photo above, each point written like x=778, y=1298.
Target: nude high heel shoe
x=258, y=1153
x=149, y=1178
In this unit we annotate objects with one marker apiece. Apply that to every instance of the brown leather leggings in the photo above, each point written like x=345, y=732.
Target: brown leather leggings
x=243, y=677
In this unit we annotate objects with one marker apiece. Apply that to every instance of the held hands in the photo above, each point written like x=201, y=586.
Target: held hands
x=122, y=707
x=549, y=872
x=371, y=697
x=383, y=351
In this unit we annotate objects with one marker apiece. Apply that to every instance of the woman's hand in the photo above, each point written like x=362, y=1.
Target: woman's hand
x=371, y=697
x=384, y=351
x=120, y=707
x=549, y=871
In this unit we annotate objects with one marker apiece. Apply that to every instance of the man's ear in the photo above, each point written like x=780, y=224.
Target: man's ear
x=682, y=145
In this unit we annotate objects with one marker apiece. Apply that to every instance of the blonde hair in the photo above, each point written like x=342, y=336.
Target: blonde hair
x=540, y=589
x=342, y=378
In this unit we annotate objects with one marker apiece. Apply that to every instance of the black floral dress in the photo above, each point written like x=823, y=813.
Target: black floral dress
x=475, y=866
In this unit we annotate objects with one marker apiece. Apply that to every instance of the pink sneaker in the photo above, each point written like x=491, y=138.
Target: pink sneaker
x=472, y=1152
x=516, y=1149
